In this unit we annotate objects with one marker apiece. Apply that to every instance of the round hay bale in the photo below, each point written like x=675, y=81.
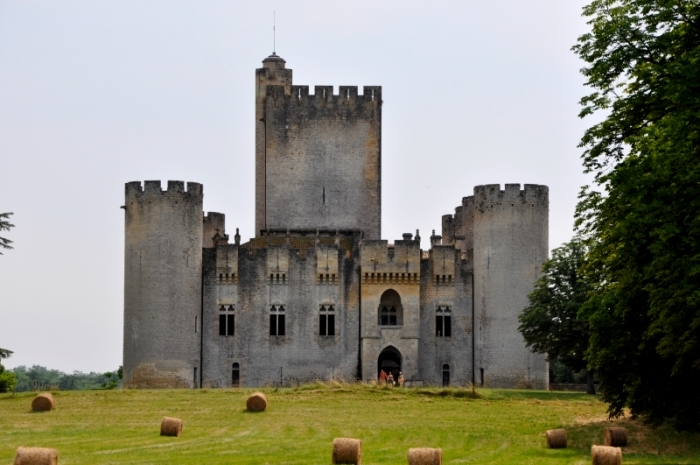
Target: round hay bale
x=556, y=438
x=43, y=402
x=257, y=402
x=171, y=427
x=36, y=456
x=424, y=456
x=605, y=455
x=347, y=450
x=615, y=437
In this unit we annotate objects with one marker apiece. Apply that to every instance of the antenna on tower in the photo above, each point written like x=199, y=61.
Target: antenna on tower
x=274, y=45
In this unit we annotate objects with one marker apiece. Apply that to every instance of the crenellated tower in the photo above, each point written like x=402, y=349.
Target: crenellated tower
x=511, y=242
x=318, y=156
x=162, y=284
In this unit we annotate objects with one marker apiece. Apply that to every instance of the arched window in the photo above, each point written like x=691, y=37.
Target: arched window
x=277, y=320
x=446, y=374
x=326, y=320
x=443, y=321
x=390, y=309
x=226, y=320
x=235, y=375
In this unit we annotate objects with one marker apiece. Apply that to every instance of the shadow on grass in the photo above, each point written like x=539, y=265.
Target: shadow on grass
x=643, y=440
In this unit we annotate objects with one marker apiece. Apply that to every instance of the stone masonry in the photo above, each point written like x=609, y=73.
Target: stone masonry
x=316, y=293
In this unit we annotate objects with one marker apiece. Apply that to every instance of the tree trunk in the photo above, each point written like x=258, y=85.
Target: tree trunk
x=590, y=387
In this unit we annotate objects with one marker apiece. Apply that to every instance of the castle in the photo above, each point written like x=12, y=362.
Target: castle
x=317, y=293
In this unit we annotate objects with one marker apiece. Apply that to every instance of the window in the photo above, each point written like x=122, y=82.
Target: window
x=277, y=320
x=443, y=321
x=226, y=320
x=446, y=374
x=388, y=316
x=235, y=375
x=390, y=309
x=326, y=320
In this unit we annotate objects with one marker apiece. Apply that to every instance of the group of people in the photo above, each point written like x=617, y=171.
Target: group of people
x=388, y=378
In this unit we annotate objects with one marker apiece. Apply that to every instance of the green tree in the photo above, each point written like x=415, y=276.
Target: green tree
x=550, y=324
x=7, y=378
x=5, y=226
x=643, y=65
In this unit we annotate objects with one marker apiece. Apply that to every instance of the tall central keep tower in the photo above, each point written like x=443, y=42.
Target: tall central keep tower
x=318, y=157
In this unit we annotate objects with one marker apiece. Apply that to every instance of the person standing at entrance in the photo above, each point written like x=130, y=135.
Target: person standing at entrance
x=401, y=380
x=382, y=377
x=390, y=379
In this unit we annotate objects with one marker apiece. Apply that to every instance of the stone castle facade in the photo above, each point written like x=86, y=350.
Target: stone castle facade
x=317, y=293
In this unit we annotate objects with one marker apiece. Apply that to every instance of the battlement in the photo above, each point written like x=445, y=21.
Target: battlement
x=491, y=195
x=323, y=96
x=152, y=189
x=401, y=257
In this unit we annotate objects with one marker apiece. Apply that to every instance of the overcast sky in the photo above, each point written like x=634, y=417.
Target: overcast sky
x=96, y=94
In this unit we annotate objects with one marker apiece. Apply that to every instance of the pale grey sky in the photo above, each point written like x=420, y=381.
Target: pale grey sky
x=96, y=94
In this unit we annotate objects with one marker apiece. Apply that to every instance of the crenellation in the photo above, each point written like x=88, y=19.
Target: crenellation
x=323, y=96
x=491, y=196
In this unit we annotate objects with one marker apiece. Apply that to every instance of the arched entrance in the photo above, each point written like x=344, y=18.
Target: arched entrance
x=389, y=361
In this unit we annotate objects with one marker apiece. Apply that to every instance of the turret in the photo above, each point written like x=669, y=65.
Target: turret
x=273, y=73
x=510, y=244
x=162, y=284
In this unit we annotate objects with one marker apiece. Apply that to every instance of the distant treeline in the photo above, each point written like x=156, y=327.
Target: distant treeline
x=38, y=378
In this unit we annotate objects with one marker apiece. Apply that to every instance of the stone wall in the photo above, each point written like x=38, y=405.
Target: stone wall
x=385, y=268
x=282, y=271
x=162, y=284
x=446, y=283
x=322, y=157
x=510, y=245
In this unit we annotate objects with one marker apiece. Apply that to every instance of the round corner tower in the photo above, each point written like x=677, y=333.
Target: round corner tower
x=511, y=241
x=162, y=284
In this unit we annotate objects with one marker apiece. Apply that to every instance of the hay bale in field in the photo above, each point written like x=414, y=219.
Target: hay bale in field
x=36, y=456
x=615, y=437
x=556, y=438
x=347, y=450
x=171, y=427
x=424, y=456
x=43, y=402
x=606, y=455
x=257, y=402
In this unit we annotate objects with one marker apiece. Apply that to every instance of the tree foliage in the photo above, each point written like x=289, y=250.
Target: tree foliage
x=5, y=225
x=38, y=377
x=7, y=378
x=643, y=64
x=550, y=324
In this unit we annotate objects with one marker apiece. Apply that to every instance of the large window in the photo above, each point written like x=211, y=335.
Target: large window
x=226, y=320
x=390, y=309
x=326, y=320
x=443, y=321
x=277, y=320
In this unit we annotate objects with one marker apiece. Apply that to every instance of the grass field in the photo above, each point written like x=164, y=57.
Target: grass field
x=499, y=427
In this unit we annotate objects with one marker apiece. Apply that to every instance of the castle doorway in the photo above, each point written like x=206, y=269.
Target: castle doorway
x=389, y=361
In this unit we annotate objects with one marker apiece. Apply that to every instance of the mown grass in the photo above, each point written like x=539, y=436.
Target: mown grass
x=498, y=427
